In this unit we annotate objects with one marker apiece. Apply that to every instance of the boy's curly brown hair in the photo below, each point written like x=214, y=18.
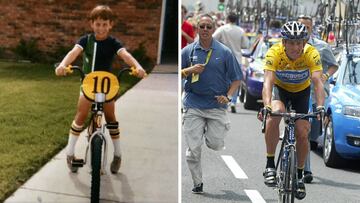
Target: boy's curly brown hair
x=103, y=12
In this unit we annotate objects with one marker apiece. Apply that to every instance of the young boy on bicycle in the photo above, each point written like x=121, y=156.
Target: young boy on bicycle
x=99, y=50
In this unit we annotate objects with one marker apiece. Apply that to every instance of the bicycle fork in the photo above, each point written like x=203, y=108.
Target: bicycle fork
x=100, y=133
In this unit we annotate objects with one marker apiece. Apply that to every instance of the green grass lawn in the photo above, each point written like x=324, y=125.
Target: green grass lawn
x=37, y=109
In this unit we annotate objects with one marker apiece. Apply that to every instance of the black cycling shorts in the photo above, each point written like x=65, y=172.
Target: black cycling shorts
x=299, y=100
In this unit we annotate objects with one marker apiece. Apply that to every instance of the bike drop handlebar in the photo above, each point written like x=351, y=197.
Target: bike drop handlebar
x=291, y=115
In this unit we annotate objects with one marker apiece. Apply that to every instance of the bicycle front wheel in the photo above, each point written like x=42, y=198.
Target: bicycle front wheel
x=290, y=177
x=96, y=146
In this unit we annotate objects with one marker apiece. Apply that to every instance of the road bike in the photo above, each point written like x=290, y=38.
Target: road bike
x=98, y=87
x=286, y=164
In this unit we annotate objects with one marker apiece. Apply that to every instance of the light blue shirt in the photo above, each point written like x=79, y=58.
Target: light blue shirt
x=327, y=60
x=221, y=70
x=326, y=55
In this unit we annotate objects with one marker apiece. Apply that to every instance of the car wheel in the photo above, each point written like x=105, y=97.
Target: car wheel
x=249, y=101
x=330, y=156
x=242, y=94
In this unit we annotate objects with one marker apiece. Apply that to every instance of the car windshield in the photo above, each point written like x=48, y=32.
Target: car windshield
x=352, y=72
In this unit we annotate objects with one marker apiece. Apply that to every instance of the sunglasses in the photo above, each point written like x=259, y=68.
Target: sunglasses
x=209, y=27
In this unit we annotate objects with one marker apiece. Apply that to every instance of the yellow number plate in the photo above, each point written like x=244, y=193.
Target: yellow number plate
x=100, y=82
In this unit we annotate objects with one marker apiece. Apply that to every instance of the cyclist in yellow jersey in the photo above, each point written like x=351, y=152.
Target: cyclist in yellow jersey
x=293, y=75
x=289, y=69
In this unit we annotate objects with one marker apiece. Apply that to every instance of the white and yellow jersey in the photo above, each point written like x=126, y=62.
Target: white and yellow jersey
x=293, y=76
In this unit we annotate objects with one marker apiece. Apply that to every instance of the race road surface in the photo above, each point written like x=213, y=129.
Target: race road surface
x=235, y=174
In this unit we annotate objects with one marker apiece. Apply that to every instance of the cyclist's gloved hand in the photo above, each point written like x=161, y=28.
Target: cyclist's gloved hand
x=263, y=112
x=321, y=112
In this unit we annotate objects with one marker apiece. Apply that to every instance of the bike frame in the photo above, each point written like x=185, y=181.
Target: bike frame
x=287, y=159
x=98, y=129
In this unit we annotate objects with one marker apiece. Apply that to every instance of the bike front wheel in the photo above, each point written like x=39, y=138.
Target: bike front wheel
x=96, y=147
x=290, y=178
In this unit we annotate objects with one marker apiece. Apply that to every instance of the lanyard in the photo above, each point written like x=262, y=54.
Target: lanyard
x=208, y=57
x=195, y=77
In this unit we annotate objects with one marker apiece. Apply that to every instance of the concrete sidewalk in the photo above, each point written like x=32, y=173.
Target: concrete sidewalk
x=148, y=117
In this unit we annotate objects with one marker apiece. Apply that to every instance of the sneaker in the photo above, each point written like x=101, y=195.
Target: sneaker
x=308, y=177
x=115, y=164
x=69, y=160
x=233, y=109
x=198, y=189
x=270, y=177
x=300, y=192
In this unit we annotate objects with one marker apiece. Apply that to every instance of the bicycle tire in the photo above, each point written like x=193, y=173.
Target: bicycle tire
x=280, y=164
x=280, y=178
x=96, y=147
x=290, y=177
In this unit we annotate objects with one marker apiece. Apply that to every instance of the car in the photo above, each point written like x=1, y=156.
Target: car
x=253, y=73
x=340, y=138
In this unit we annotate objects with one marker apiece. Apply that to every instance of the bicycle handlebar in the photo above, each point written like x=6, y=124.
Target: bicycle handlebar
x=292, y=116
x=70, y=69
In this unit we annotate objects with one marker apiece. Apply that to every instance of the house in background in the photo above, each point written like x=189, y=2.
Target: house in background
x=56, y=25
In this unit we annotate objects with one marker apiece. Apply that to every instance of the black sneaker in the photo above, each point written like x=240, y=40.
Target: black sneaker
x=115, y=164
x=308, y=177
x=198, y=189
x=300, y=192
x=270, y=177
x=69, y=160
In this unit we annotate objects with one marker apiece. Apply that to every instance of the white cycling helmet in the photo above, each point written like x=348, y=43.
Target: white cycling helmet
x=294, y=30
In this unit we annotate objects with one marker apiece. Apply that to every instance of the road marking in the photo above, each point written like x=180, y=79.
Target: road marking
x=234, y=167
x=254, y=196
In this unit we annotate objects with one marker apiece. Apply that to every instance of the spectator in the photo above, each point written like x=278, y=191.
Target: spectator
x=233, y=37
x=187, y=32
x=211, y=75
x=330, y=66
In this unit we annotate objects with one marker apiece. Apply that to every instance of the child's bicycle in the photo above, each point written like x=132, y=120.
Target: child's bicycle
x=286, y=180
x=98, y=87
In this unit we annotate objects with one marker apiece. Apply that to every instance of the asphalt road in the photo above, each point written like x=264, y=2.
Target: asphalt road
x=245, y=149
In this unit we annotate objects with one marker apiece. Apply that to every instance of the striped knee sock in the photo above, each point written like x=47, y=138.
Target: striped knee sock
x=115, y=136
x=74, y=133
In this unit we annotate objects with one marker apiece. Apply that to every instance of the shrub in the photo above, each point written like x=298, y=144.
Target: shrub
x=140, y=55
x=28, y=50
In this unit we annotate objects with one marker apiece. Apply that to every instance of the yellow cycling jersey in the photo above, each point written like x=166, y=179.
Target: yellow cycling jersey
x=293, y=76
